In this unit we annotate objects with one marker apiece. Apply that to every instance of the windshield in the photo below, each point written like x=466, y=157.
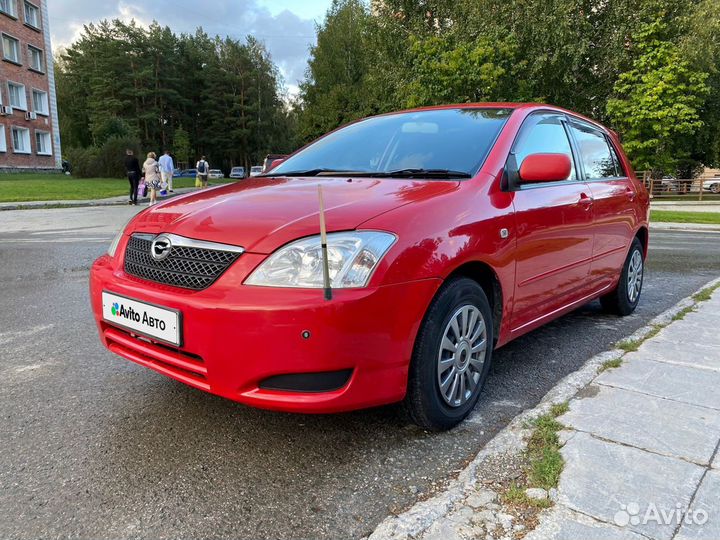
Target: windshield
x=453, y=142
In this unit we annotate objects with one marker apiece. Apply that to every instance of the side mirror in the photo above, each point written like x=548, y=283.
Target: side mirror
x=274, y=163
x=545, y=168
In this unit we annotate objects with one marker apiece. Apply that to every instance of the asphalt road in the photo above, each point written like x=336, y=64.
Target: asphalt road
x=93, y=446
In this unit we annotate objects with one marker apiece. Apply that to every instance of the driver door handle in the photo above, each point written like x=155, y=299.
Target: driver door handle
x=585, y=200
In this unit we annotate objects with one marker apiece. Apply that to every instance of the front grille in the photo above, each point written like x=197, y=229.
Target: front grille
x=187, y=267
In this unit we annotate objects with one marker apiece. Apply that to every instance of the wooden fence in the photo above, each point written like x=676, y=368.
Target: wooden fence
x=677, y=188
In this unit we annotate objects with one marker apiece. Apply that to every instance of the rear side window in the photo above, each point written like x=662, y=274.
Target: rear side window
x=619, y=171
x=597, y=158
x=547, y=136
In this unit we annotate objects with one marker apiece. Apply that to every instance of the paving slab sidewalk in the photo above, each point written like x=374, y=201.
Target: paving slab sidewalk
x=686, y=206
x=641, y=451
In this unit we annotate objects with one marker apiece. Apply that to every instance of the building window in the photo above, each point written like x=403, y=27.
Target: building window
x=32, y=15
x=21, y=140
x=36, y=59
x=11, y=48
x=8, y=7
x=43, y=145
x=3, y=142
x=40, y=102
x=18, y=98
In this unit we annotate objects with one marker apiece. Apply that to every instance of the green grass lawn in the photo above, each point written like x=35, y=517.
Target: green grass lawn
x=671, y=216
x=56, y=187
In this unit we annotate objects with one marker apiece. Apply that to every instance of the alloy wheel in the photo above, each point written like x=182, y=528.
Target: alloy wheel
x=634, y=276
x=462, y=355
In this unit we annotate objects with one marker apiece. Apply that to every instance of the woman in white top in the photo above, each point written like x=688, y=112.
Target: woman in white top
x=151, y=170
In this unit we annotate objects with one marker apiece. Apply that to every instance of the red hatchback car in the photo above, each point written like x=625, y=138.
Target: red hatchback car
x=450, y=231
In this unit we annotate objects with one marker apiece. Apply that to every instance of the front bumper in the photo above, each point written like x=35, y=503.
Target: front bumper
x=236, y=336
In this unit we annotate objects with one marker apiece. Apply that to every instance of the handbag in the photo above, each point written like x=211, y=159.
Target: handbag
x=142, y=189
x=198, y=182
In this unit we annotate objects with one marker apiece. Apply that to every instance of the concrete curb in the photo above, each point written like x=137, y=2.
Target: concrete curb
x=689, y=227
x=512, y=439
x=43, y=205
x=110, y=201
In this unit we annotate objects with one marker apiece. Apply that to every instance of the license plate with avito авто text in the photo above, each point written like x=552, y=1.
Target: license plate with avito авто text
x=146, y=319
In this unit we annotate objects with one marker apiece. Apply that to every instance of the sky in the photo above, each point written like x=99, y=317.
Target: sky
x=287, y=27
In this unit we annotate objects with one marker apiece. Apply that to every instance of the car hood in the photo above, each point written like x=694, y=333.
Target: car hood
x=262, y=214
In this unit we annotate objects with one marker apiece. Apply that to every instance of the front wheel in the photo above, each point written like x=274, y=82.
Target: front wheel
x=452, y=356
x=625, y=297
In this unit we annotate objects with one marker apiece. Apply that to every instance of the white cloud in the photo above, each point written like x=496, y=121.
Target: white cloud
x=286, y=27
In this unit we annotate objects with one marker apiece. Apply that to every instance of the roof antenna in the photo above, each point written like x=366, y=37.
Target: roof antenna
x=323, y=247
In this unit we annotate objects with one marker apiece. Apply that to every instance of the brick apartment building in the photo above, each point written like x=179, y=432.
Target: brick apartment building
x=29, y=134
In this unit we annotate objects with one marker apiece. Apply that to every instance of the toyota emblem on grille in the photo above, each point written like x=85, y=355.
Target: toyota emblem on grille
x=161, y=247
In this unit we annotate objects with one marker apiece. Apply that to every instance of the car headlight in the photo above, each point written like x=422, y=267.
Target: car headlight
x=352, y=257
x=112, y=248
x=114, y=244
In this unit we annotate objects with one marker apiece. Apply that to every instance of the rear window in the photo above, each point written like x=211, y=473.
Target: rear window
x=446, y=139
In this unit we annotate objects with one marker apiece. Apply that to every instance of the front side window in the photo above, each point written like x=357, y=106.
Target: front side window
x=595, y=153
x=36, y=59
x=8, y=6
x=21, y=140
x=546, y=136
x=42, y=143
x=452, y=141
x=40, y=102
x=18, y=99
x=32, y=15
x=11, y=48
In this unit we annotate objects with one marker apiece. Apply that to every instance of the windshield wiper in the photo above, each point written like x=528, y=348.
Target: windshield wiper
x=312, y=172
x=399, y=173
x=422, y=173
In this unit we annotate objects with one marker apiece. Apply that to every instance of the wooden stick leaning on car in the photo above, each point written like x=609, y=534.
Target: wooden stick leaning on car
x=323, y=247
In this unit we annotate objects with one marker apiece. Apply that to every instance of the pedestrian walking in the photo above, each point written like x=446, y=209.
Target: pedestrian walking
x=167, y=167
x=151, y=170
x=132, y=167
x=202, y=167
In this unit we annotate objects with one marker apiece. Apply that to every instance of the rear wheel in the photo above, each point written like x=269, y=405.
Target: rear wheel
x=452, y=356
x=626, y=296
x=715, y=188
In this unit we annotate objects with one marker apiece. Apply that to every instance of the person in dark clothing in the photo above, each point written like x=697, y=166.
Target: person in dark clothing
x=132, y=166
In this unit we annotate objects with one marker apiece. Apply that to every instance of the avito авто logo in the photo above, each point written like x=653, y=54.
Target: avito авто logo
x=129, y=313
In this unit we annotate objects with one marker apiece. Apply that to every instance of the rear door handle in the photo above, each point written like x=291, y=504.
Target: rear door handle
x=630, y=192
x=585, y=200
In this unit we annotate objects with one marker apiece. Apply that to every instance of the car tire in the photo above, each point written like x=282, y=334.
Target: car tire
x=625, y=297
x=449, y=357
